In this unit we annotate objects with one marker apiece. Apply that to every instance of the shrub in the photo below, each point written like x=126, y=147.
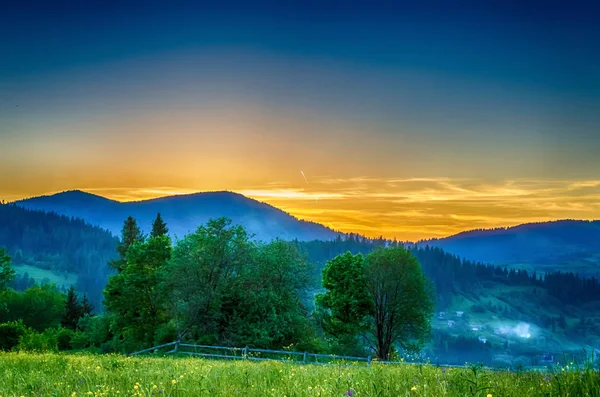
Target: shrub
x=64, y=337
x=10, y=333
x=38, y=342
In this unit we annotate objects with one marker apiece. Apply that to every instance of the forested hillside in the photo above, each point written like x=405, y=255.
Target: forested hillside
x=568, y=245
x=559, y=308
x=183, y=213
x=58, y=245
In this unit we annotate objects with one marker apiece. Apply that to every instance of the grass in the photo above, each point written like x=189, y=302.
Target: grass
x=51, y=374
x=60, y=279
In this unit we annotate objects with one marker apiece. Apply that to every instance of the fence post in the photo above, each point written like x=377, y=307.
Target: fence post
x=304, y=357
x=176, y=346
x=369, y=361
x=245, y=353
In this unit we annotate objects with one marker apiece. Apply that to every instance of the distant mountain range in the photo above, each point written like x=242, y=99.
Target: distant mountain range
x=569, y=245
x=183, y=213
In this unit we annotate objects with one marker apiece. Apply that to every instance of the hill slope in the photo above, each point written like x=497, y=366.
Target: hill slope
x=568, y=245
x=57, y=248
x=183, y=213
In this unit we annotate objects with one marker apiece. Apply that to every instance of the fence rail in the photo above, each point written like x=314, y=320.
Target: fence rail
x=247, y=353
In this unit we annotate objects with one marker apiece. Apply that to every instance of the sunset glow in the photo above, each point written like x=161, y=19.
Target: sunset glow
x=382, y=123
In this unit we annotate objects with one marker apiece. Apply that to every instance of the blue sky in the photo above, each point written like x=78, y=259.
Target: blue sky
x=244, y=96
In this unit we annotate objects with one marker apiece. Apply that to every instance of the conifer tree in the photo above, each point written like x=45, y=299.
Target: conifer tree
x=86, y=307
x=73, y=310
x=130, y=234
x=7, y=274
x=159, y=227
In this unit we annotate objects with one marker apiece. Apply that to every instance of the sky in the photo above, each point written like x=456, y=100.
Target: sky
x=411, y=122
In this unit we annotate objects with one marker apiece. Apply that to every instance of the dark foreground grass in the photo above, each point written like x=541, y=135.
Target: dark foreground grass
x=40, y=375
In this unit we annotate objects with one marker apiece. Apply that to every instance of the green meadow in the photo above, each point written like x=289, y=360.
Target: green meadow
x=52, y=374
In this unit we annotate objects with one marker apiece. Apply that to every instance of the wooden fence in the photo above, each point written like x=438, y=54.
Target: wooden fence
x=247, y=353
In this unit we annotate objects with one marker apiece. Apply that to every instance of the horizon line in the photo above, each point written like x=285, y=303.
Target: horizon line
x=197, y=192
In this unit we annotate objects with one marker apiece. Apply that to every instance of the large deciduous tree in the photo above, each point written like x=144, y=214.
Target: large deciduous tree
x=402, y=300
x=202, y=270
x=264, y=308
x=346, y=304
x=384, y=297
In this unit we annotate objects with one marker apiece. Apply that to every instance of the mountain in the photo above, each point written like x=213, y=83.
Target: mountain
x=183, y=213
x=567, y=245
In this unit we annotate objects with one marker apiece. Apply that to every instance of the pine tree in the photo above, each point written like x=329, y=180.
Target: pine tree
x=86, y=307
x=72, y=310
x=130, y=234
x=159, y=227
x=7, y=274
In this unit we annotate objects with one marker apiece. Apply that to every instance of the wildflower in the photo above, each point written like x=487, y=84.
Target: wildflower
x=350, y=393
x=413, y=388
x=489, y=395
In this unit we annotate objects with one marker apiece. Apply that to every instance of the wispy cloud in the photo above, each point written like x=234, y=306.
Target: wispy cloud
x=411, y=208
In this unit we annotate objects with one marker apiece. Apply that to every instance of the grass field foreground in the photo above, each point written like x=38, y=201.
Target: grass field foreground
x=49, y=374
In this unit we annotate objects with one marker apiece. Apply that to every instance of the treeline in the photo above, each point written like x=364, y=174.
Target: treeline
x=217, y=286
x=452, y=274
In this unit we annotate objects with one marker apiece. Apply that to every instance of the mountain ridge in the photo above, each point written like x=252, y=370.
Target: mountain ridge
x=184, y=213
x=568, y=244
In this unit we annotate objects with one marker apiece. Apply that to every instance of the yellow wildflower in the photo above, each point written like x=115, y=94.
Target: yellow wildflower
x=414, y=388
x=489, y=395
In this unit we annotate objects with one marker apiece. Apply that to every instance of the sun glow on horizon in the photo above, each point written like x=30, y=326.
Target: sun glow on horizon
x=409, y=209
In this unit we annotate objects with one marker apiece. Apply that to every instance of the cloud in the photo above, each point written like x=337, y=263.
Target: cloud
x=411, y=208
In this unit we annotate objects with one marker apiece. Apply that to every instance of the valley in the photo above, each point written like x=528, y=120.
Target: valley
x=515, y=322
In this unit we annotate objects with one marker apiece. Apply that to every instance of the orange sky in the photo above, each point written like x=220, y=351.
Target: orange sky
x=409, y=129
x=410, y=209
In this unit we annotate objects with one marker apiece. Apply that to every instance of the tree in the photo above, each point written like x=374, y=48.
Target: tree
x=263, y=307
x=159, y=227
x=39, y=307
x=130, y=234
x=73, y=311
x=133, y=296
x=346, y=304
x=86, y=306
x=203, y=267
x=402, y=300
x=7, y=274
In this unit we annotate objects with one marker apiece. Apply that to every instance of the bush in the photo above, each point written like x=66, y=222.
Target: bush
x=165, y=333
x=64, y=337
x=38, y=342
x=80, y=340
x=10, y=333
